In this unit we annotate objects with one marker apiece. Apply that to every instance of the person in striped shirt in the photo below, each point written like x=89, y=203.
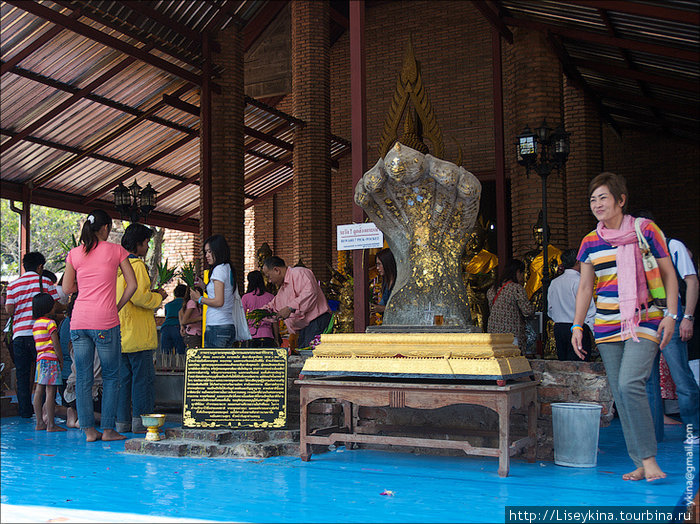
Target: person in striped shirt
x=20, y=293
x=628, y=327
x=49, y=360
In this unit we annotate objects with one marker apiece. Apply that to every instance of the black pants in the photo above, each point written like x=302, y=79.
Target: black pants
x=562, y=336
x=315, y=327
x=25, y=358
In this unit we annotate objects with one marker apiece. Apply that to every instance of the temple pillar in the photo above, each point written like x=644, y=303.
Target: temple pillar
x=534, y=78
x=223, y=175
x=311, y=226
x=585, y=160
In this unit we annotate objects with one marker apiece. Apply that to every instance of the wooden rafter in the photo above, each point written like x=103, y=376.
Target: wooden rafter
x=494, y=19
x=87, y=31
x=663, y=11
x=598, y=38
x=146, y=163
x=77, y=151
x=255, y=27
x=635, y=74
x=62, y=86
x=74, y=98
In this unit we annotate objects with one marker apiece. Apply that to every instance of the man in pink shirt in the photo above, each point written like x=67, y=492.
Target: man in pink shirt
x=299, y=301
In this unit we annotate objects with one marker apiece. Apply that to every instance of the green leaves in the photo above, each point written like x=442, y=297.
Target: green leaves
x=165, y=273
x=187, y=274
x=257, y=315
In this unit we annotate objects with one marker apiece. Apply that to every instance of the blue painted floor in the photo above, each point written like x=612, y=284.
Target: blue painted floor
x=61, y=473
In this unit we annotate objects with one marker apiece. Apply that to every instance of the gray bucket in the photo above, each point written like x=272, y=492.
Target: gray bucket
x=576, y=428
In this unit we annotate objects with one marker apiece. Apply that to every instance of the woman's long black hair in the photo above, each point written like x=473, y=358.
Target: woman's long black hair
x=386, y=257
x=221, y=254
x=95, y=221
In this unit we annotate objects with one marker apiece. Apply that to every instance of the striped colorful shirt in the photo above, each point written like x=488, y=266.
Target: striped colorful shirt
x=20, y=293
x=43, y=329
x=603, y=256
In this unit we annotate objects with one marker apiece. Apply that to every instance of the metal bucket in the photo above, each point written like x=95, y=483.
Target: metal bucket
x=576, y=430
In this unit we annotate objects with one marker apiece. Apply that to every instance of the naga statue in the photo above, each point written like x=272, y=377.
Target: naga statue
x=425, y=206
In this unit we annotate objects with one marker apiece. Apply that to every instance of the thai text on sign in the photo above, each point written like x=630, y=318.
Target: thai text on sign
x=359, y=236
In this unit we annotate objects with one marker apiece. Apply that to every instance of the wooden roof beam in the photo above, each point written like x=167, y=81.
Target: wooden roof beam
x=155, y=158
x=42, y=179
x=77, y=96
x=588, y=36
x=192, y=180
x=35, y=44
x=70, y=202
x=255, y=27
x=62, y=86
x=635, y=74
x=663, y=11
x=673, y=107
x=494, y=19
x=87, y=31
x=268, y=193
x=96, y=156
x=273, y=111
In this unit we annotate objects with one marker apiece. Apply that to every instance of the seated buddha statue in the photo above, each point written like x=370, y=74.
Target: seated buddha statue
x=479, y=272
x=533, y=260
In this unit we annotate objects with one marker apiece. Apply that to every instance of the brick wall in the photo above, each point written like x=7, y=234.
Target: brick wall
x=662, y=176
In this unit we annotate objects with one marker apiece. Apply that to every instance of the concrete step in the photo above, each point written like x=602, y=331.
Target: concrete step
x=7, y=407
x=183, y=442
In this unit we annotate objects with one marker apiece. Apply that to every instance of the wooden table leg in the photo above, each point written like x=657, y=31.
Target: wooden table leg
x=304, y=447
x=503, y=436
x=531, y=453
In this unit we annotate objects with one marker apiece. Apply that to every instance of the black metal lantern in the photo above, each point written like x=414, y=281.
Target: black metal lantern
x=543, y=151
x=527, y=147
x=133, y=202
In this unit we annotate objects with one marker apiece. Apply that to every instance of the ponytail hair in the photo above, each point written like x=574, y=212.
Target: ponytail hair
x=95, y=221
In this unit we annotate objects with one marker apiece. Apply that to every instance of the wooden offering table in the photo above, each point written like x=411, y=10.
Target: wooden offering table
x=418, y=395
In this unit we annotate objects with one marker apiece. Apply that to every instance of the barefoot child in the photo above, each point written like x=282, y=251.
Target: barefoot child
x=49, y=361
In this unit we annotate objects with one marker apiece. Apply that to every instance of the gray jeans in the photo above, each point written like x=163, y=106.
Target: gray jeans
x=628, y=365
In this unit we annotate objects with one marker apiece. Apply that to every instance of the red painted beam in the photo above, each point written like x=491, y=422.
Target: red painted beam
x=493, y=18
x=358, y=118
x=502, y=223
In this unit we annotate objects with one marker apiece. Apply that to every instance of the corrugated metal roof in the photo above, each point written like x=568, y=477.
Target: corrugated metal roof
x=637, y=58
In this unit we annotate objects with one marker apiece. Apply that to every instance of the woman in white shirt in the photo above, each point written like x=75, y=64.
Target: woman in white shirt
x=220, y=330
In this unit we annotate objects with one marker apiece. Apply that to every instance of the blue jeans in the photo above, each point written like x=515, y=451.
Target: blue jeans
x=107, y=342
x=136, y=378
x=656, y=403
x=222, y=336
x=628, y=366
x=676, y=356
x=25, y=357
x=170, y=338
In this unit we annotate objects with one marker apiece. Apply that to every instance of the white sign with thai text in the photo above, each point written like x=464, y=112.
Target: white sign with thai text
x=359, y=236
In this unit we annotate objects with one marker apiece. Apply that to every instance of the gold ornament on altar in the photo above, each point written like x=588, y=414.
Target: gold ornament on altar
x=153, y=422
x=534, y=266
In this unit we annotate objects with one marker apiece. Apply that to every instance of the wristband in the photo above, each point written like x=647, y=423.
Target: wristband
x=199, y=300
x=576, y=326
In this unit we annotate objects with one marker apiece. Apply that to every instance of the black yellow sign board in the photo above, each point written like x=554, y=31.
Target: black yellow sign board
x=235, y=388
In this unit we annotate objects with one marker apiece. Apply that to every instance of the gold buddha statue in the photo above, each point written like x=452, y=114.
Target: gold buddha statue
x=479, y=272
x=534, y=265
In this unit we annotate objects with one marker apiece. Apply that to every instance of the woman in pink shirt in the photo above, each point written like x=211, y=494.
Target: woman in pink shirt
x=95, y=319
x=266, y=332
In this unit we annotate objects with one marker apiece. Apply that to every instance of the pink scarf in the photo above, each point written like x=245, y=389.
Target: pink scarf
x=631, y=281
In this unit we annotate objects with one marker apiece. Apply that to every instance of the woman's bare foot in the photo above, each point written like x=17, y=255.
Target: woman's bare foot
x=637, y=474
x=670, y=421
x=40, y=426
x=92, y=435
x=110, y=434
x=54, y=427
x=652, y=471
x=71, y=418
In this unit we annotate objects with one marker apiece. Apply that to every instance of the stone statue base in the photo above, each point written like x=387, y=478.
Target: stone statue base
x=432, y=355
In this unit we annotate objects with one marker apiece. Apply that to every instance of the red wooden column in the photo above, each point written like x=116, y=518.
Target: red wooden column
x=359, y=152
x=499, y=146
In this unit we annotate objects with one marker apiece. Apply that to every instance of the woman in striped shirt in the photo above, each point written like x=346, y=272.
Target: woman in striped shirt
x=628, y=327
